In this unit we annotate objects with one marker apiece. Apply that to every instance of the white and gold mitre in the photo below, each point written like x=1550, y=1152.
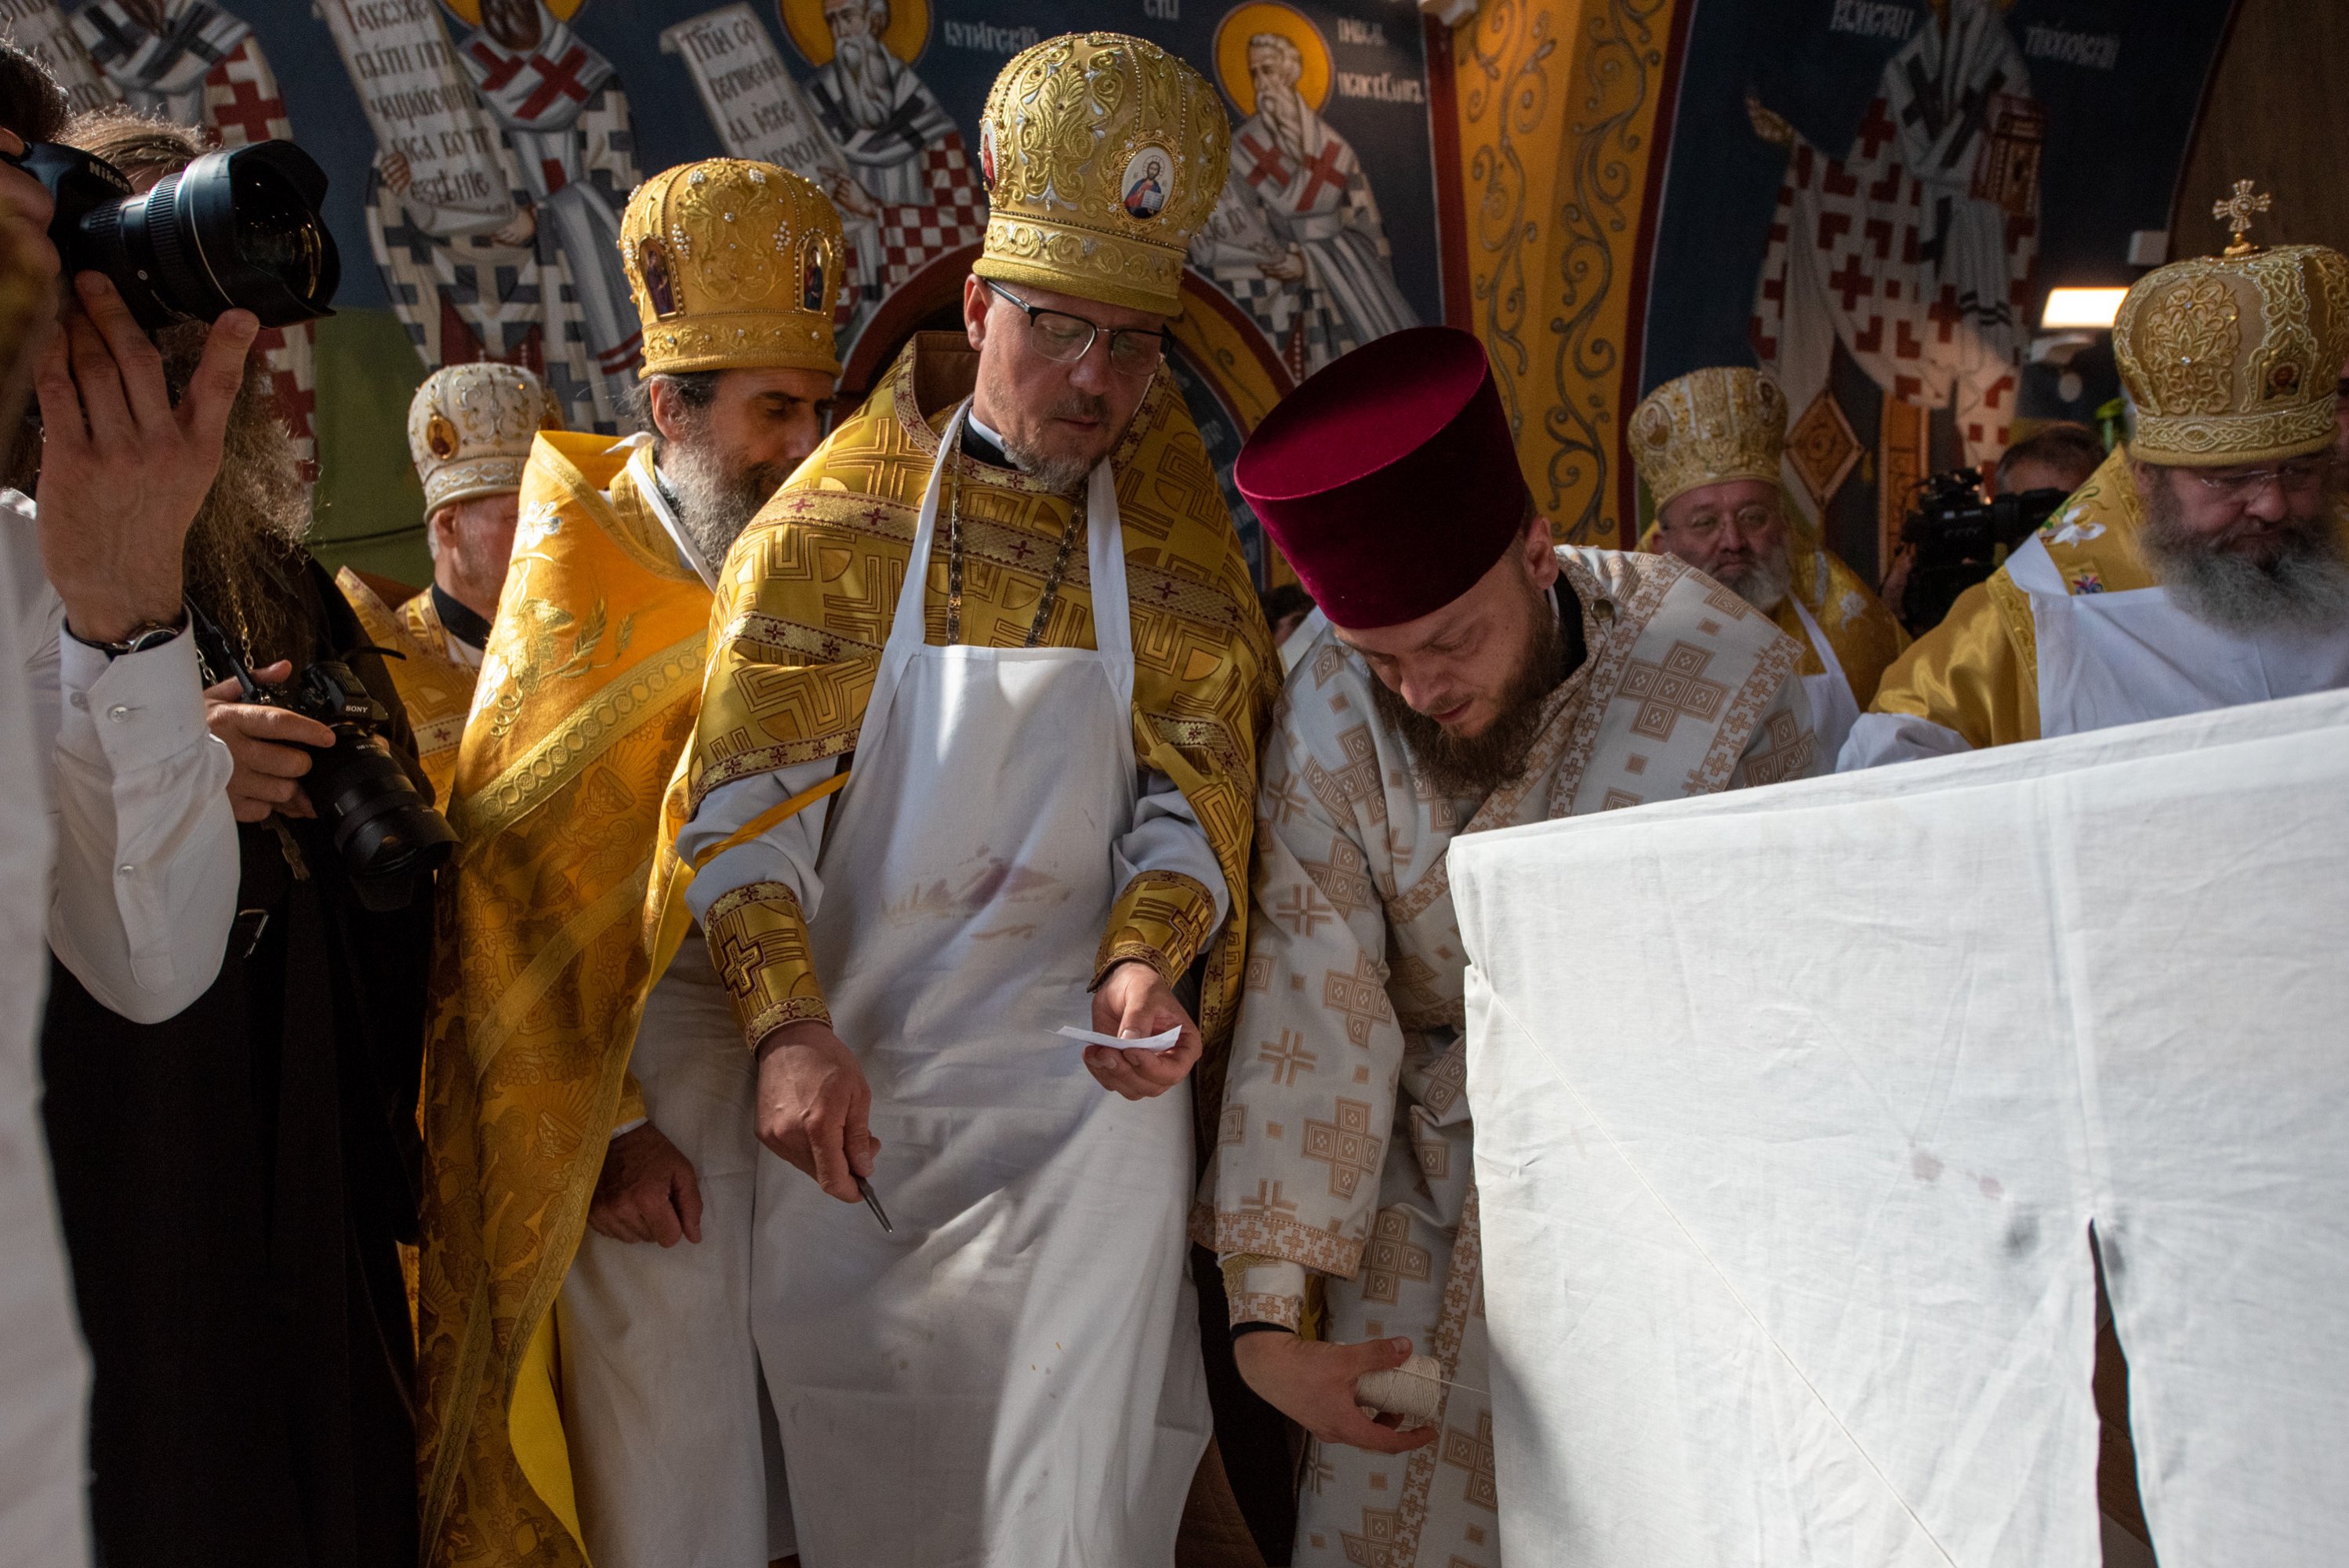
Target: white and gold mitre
x=470, y=428
x=1706, y=427
x=734, y=265
x=1102, y=156
x=2234, y=359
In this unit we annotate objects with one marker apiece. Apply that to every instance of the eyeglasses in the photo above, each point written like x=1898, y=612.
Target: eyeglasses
x=1058, y=335
x=2298, y=477
x=1749, y=519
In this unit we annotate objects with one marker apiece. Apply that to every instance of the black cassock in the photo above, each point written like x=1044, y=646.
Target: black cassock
x=232, y=1181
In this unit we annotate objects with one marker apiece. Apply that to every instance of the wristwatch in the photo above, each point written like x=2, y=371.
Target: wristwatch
x=149, y=634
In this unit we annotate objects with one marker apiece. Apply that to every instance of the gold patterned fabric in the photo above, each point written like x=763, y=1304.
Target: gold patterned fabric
x=1863, y=632
x=733, y=265
x=587, y=697
x=1708, y=428
x=1102, y=155
x=2234, y=359
x=1977, y=672
x=434, y=688
x=805, y=605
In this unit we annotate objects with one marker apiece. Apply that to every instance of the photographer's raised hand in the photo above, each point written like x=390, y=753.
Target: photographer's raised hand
x=124, y=469
x=266, y=744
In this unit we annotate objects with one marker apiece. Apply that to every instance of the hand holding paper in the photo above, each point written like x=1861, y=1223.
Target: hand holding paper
x=1143, y=1041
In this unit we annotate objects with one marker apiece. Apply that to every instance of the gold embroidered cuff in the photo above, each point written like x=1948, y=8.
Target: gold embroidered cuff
x=759, y=946
x=1163, y=918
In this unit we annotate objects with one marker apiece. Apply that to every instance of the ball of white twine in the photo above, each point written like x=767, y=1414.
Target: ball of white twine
x=1413, y=1390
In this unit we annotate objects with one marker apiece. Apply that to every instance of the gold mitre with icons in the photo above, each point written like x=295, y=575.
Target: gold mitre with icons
x=735, y=265
x=1102, y=155
x=2235, y=358
x=1707, y=427
x=470, y=428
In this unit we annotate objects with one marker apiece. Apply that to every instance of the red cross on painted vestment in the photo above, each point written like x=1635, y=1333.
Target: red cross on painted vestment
x=1268, y=164
x=556, y=78
x=1323, y=171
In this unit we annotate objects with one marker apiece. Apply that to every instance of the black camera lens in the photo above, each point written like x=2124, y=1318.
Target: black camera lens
x=233, y=229
x=386, y=834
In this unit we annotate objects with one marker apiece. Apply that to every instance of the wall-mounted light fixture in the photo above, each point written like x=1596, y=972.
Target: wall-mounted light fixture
x=2081, y=310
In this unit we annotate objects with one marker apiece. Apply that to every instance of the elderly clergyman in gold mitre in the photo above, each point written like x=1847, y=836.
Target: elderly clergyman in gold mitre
x=587, y=1213
x=470, y=428
x=975, y=768
x=2205, y=564
x=1709, y=445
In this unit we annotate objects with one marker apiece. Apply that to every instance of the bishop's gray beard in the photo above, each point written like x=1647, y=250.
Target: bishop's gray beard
x=1283, y=109
x=2305, y=588
x=1460, y=768
x=716, y=500
x=868, y=85
x=1767, y=583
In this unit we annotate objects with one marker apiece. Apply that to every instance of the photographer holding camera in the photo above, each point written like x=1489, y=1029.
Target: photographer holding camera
x=233, y=1176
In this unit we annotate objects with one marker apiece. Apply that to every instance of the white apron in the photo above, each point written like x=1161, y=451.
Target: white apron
x=1013, y=1378
x=1834, y=709
x=2128, y=657
x=676, y=1463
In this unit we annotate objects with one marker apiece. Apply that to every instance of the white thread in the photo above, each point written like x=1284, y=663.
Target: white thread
x=1413, y=1390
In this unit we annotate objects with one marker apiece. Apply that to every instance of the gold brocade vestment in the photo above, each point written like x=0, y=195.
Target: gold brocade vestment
x=804, y=612
x=1865, y=635
x=1977, y=672
x=434, y=688
x=587, y=695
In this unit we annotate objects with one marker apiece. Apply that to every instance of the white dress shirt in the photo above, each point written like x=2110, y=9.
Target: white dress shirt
x=136, y=794
x=44, y=1371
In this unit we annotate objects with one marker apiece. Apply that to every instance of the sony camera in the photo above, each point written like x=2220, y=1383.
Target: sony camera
x=386, y=834
x=234, y=228
x=1961, y=536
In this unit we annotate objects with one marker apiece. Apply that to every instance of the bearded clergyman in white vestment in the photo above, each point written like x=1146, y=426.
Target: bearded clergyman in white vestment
x=2206, y=563
x=1472, y=676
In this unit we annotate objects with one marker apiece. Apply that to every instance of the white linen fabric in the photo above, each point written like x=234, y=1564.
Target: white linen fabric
x=1786, y=1219
x=677, y=1463
x=44, y=1369
x=136, y=791
x=1834, y=709
x=1012, y=1378
x=2122, y=657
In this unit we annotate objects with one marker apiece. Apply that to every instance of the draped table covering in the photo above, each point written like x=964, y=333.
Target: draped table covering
x=1793, y=1108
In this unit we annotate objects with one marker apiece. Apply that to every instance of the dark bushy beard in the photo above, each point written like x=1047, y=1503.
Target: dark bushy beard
x=245, y=549
x=1767, y=583
x=1459, y=768
x=2305, y=588
x=715, y=500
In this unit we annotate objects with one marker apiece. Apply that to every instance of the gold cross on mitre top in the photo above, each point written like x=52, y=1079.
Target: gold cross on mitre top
x=2236, y=212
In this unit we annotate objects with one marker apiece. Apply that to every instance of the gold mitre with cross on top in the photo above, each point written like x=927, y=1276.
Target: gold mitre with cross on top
x=1102, y=155
x=2234, y=358
x=735, y=265
x=1706, y=427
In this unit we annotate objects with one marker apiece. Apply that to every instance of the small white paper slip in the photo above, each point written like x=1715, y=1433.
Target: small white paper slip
x=1153, y=1042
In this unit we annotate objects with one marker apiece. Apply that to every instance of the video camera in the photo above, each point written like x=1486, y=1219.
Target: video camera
x=235, y=228
x=1961, y=536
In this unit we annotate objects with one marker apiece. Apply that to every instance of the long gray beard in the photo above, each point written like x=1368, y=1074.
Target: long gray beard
x=1765, y=584
x=868, y=85
x=2306, y=588
x=1284, y=109
x=714, y=501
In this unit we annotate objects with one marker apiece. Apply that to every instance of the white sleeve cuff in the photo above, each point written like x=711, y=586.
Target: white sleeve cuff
x=132, y=712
